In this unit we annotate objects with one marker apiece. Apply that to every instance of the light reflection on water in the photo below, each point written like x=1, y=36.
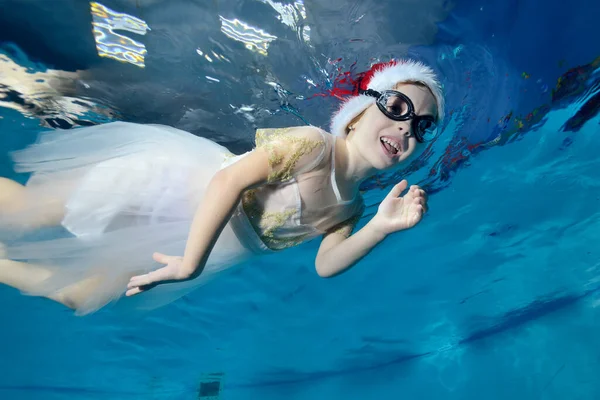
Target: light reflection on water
x=113, y=45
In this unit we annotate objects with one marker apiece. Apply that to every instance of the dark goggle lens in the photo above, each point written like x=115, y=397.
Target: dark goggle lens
x=395, y=105
x=427, y=129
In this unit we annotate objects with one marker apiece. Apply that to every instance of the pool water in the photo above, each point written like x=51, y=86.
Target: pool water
x=495, y=295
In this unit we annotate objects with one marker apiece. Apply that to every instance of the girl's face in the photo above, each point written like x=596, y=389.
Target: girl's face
x=385, y=143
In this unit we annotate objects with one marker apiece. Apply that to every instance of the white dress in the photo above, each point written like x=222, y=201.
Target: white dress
x=130, y=190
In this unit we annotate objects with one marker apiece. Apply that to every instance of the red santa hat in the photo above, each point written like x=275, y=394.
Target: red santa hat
x=384, y=76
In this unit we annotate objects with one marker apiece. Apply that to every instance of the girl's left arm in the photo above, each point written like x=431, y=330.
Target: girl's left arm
x=338, y=252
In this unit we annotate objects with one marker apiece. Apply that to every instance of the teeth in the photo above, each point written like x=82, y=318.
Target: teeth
x=394, y=145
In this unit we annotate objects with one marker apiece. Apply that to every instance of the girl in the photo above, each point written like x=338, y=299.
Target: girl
x=127, y=192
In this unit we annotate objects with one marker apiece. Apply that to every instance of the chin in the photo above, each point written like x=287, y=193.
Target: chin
x=387, y=165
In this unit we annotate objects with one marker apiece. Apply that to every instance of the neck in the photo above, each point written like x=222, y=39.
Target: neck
x=352, y=167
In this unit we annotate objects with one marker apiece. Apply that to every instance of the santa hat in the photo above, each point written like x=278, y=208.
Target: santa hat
x=384, y=76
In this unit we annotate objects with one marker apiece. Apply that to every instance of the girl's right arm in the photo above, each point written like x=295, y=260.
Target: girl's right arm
x=218, y=204
x=222, y=196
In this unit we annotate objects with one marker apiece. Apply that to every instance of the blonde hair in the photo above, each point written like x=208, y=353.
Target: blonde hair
x=420, y=84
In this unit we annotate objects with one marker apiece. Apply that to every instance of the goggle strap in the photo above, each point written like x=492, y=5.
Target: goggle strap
x=370, y=92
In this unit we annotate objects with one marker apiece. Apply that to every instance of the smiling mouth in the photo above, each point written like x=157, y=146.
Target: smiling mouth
x=391, y=147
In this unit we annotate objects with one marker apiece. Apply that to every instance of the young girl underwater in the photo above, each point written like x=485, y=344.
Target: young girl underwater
x=128, y=193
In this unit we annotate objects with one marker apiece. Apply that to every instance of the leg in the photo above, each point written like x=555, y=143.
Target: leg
x=24, y=211
x=11, y=193
x=25, y=277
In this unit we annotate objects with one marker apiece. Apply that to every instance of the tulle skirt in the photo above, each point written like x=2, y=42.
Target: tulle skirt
x=128, y=190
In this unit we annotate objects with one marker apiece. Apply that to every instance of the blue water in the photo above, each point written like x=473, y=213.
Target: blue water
x=495, y=295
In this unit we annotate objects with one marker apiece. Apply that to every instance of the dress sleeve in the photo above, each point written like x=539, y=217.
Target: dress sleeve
x=291, y=151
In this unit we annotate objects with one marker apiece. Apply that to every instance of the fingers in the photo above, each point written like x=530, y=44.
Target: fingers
x=135, y=286
x=417, y=191
x=140, y=283
x=417, y=196
x=161, y=258
x=138, y=289
x=398, y=188
x=414, y=190
x=134, y=291
x=144, y=282
x=140, y=280
x=422, y=202
x=417, y=214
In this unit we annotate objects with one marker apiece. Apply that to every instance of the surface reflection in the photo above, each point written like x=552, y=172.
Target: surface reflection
x=114, y=45
x=254, y=39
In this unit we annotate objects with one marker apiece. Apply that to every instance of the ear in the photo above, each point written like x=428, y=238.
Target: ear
x=352, y=125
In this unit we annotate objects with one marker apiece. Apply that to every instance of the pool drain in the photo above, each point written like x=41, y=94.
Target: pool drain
x=210, y=387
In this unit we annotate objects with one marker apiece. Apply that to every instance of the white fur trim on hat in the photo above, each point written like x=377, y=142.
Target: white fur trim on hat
x=386, y=79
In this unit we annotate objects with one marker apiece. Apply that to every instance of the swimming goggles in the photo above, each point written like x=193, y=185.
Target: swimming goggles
x=398, y=107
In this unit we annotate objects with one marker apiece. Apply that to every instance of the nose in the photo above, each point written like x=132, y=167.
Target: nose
x=405, y=127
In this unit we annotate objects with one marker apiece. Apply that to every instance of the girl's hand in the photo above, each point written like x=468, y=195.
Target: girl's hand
x=399, y=213
x=172, y=272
